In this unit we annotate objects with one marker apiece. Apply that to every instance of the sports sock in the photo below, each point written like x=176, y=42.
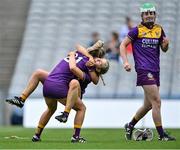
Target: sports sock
x=133, y=121
x=77, y=130
x=160, y=131
x=66, y=113
x=39, y=130
x=23, y=97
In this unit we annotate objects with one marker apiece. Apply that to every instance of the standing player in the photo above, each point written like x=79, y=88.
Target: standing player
x=147, y=39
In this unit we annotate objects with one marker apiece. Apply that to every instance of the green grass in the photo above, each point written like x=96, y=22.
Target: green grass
x=96, y=139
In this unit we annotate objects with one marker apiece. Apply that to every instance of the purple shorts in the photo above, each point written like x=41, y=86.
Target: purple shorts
x=55, y=90
x=146, y=77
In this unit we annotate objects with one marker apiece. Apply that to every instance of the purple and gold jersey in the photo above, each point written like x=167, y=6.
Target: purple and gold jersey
x=62, y=71
x=57, y=83
x=146, y=46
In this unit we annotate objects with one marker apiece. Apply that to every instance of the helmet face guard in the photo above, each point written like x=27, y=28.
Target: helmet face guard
x=143, y=135
x=148, y=14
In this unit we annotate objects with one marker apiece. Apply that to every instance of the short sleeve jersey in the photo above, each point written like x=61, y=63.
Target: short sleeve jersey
x=146, y=46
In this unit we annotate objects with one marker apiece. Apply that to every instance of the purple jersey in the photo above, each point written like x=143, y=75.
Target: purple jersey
x=84, y=84
x=146, y=46
x=57, y=83
x=62, y=71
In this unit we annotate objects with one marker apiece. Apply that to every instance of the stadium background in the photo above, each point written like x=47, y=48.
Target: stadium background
x=38, y=33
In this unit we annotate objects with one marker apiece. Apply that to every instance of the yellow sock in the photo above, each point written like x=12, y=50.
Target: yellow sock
x=136, y=118
x=39, y=129
x=67, y=110
x=157, y=124
x=23, y=97
x=77, y=126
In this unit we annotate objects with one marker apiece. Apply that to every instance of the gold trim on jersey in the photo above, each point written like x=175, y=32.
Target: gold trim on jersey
x=144, y=32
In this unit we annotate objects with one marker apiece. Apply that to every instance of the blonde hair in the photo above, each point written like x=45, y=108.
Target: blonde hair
x=104, y=69
x=97, y=50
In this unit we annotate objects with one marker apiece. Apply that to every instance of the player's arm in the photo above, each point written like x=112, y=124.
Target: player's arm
x=99, y=44
x=123, y=53
x=165, y=44
x=94, y=77
x=95, y=49
x=78, y=72
x=74, y=69
x=82, y=50
x=164, y=41
x=85, y=52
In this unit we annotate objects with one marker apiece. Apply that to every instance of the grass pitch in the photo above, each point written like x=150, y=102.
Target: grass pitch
x=20, y=138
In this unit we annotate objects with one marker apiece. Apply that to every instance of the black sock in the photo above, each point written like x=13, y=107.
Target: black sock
x=39, y=131
x=160, y=131
x=77, y=132
x=133, y=122
x=66, y=113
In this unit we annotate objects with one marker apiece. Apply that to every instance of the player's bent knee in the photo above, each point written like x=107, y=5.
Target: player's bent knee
x=74, y=84
x=155, y=98
x=156, y=103
x=52, y=109
x=79, y=106
x=39, y=73
x=83, y=107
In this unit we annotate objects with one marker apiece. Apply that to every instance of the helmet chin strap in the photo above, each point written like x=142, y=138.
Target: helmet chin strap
x=149, y=25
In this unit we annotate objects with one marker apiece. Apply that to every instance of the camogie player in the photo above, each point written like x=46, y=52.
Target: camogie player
x=147, y=39
x=96, y=51
x=61, y=83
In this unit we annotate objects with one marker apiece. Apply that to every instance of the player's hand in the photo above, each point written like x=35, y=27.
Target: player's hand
x=71, y=53
x=127, y=66
x=165, y=41
x=91, y=61
x=165, y=44
x=96, y=46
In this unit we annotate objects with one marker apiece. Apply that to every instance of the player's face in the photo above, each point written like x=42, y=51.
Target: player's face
x=149, y=17
x=100, y=62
